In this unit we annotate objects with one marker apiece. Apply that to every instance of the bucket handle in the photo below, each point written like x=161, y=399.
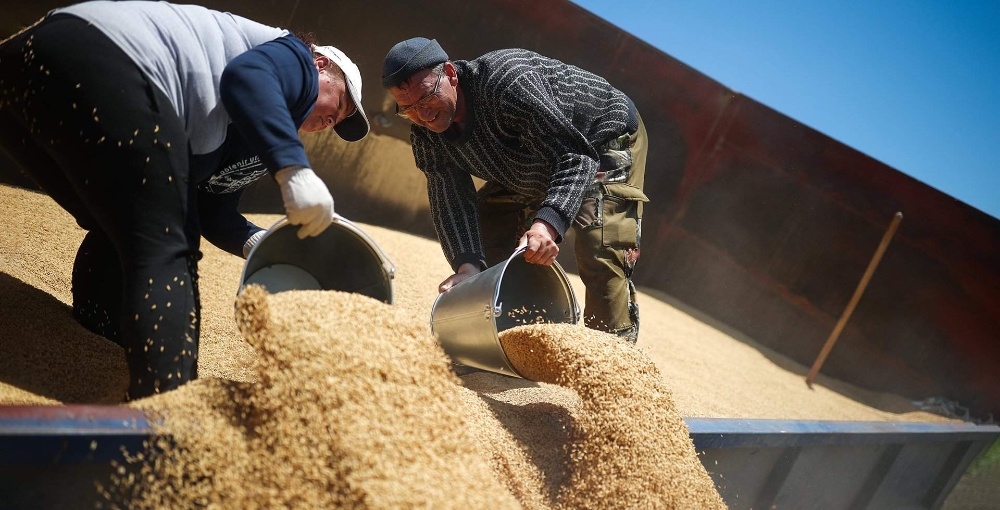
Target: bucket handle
x=387, y=263
x=576, y=311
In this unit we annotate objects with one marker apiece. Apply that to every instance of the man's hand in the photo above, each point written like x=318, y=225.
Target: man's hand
x=465, y=271
x=540, y=243
x=306, y=199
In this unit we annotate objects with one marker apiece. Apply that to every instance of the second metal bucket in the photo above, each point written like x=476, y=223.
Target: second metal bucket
x=468, y=318
x=341, y=258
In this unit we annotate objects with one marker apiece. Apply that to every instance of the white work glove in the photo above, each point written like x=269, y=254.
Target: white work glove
x=251, y=242
x=307, y=201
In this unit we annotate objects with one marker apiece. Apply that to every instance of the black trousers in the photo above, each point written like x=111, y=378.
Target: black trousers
x=83, y=121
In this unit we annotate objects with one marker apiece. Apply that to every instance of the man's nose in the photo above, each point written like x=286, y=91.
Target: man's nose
x=425, y=113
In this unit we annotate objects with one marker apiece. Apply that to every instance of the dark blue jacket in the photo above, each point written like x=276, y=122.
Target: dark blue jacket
x=268, y=92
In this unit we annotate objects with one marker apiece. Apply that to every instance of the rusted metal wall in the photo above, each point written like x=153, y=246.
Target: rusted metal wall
x=756, y=221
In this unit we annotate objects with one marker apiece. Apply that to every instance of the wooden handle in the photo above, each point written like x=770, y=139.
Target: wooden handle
x=832, y=339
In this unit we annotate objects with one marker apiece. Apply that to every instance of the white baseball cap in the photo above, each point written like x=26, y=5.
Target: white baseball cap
x=356, y=126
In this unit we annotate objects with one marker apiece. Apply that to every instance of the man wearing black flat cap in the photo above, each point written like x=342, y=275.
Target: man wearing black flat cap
x=558, y=146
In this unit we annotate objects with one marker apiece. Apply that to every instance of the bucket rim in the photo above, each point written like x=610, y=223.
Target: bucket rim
x=496, y=290
x=494, y=310
x=388, y=266
x=563, y=277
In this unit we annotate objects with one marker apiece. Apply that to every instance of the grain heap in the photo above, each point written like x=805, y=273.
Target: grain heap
x=354, y=408
x=526, y=430
x=632, y=448
x=42, y=350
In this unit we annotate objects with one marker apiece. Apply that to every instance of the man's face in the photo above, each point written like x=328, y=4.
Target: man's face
x=425, y=106
x=334, y=103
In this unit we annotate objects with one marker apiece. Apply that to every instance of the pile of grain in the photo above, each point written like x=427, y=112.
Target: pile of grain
x=631, y=448
x=354, y=407
x=525, y=429
x=46, y=357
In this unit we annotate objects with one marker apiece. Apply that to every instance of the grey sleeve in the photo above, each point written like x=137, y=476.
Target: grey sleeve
x=257, y=33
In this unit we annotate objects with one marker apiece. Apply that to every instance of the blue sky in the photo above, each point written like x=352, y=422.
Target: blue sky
x=914, y=84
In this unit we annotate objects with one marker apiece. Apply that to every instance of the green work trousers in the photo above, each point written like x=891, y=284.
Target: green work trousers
x=608, y=232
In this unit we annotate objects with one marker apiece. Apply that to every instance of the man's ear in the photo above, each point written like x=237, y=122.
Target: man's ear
x=322, y=62
x=451, y=72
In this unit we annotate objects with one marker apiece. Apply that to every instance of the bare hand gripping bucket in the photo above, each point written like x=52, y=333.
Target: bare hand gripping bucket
x=342, y=258
x=468, y=318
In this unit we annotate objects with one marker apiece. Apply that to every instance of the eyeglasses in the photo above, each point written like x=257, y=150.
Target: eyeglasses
x=413, y=108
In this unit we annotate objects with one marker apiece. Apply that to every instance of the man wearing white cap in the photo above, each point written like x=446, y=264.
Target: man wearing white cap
x=146, y=120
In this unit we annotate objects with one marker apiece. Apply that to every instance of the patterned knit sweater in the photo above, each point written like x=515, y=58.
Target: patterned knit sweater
x=534, y=125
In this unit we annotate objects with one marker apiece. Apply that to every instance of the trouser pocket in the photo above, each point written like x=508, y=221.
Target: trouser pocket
x=607, y=247
x=621, y=209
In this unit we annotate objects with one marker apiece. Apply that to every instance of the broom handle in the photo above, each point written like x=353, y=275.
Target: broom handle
x=832, y=339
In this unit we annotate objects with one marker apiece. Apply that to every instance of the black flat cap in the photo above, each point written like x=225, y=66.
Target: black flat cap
x=408, y=57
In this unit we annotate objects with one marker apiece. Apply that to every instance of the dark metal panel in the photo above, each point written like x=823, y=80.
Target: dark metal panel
x=72, y=420
x=936, y=490
x=54, y=456
x=712, y=433
x=827, y=477
x=976, y=448
x=740, y=474
x=928, y=306
x=911, y=478
x=833, y=465
x=776, y=479
x=862, y=499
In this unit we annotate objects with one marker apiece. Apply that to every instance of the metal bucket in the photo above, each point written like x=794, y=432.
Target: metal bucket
x=342, y=258
x=468, y=318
